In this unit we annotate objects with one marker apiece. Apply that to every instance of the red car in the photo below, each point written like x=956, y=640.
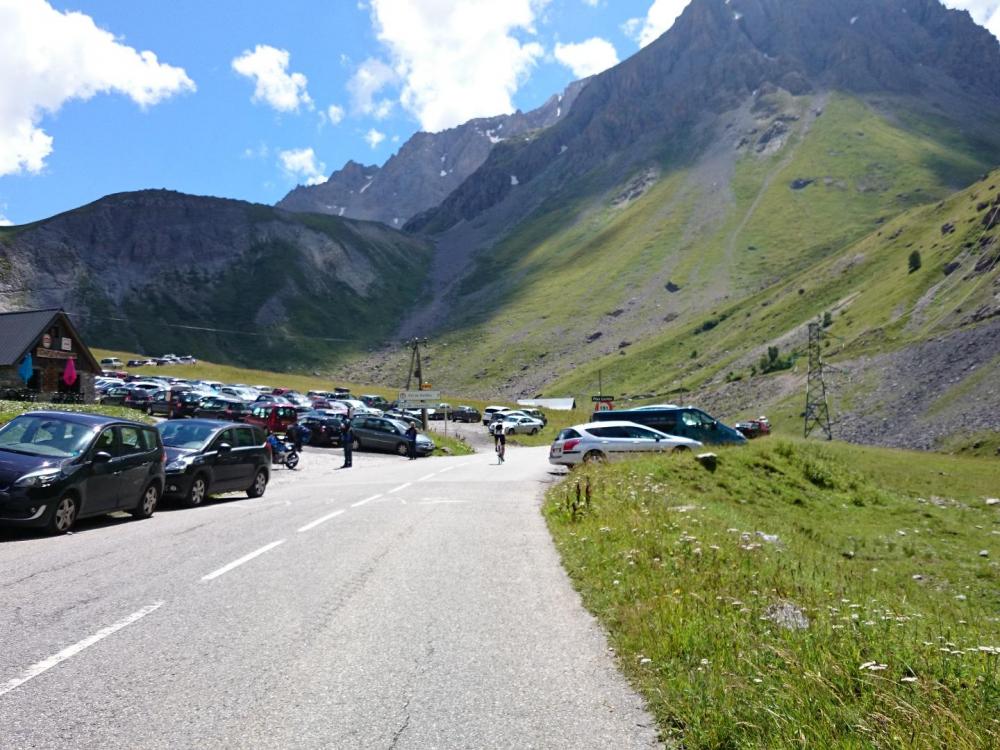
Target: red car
x=272, y=417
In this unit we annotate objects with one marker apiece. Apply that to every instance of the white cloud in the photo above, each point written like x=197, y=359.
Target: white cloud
x=48, y=58
x=368, y=80
x=660, y=17
x=335, y=114
x=5, y=222
x=985, y=12
x=268, y=68
x=456, y=59
x=587, y=58
x=373, y=138
x=301, y=164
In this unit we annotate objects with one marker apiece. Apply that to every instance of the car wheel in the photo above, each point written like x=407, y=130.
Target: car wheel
x=402, y=449
x=259, y=484
x=680, y=449
x=147, y=503
x=594, y=457
x=198, y=492
x=356, y=444
x=534, y=430
x=64, y=516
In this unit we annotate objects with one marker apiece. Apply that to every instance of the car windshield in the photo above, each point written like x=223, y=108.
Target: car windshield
x=179, y=434
x=45, y=436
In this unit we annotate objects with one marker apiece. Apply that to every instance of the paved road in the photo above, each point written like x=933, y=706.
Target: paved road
x=394, y=605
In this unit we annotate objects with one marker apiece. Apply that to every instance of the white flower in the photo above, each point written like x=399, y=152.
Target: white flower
x=873, y=666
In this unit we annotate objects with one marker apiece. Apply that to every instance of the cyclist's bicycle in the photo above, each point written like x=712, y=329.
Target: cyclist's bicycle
x=500, y=446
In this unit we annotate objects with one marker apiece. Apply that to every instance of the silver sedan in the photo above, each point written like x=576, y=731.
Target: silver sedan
x=601, y=441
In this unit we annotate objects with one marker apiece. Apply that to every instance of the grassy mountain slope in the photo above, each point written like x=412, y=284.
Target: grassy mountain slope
x=799, y=595
x=158, y=271
x=717, y=231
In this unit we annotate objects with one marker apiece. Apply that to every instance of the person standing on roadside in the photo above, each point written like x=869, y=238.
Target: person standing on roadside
x=411, y=441
x=294, y=434
x=347, y=440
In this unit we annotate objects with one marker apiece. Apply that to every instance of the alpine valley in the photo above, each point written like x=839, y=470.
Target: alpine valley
x=673, y=224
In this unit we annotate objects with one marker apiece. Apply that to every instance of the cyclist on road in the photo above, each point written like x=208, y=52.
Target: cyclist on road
x=499, y=441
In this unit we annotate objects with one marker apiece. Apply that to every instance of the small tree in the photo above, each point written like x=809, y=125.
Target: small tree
x=915, y=261
x=827, y=319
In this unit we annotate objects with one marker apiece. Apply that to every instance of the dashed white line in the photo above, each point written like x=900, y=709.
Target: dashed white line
x=246, y=558
x=429, y=476
x=366, y=500
x=324, y=519
x=401, y=487
x=447, y=468
x=46, y=664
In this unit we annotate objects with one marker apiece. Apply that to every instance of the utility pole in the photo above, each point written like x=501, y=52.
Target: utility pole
x=817, y=412
x=417, y=371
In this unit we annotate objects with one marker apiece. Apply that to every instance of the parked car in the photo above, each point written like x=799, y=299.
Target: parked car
x=521, y=425
x=56, y=467
x=206, y=456
x=379, y=433
x=138, y=398
x=537, y=414
x=114, y=396
x=173, y=403
x=324, y=429
x=405, y=417
x=683, y=421
x=357, y=407
x=754, y=428
x=111, y=363
x=272, y=417
x=465, y=414
x=489, y=411
x=601, y=441
x=217, y=407
x=373, y=402
x=133, y=363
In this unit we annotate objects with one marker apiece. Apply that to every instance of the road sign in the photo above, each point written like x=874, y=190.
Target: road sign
x=419, y=398
x=603, y=406
x=600, y=399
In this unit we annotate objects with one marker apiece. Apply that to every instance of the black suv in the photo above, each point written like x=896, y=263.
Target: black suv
x=207, y=455
x=174, y=404
x=217, y=407
x=465, y=414
x=324, y=427
x=58, y=466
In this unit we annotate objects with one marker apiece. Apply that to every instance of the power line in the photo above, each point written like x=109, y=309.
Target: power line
x=208, y=329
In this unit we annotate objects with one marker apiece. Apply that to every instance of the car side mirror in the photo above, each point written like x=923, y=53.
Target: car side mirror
x=102, y=457
x=224, y=448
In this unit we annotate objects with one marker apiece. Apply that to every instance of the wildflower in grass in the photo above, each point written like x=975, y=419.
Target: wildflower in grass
x=908, y=679
x=994, y=650
x=873, y=666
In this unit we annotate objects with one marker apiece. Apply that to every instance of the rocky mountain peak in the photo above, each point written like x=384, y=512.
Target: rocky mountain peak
x=426, y=169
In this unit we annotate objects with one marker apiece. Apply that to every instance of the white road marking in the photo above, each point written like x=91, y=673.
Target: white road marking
x=246, y=558
x=324, y=519
x=401, y=487
x=366, y=500
x=443, y=502
x=46, y=664
x=402, y=500
x=448, y=468
x=429, y=476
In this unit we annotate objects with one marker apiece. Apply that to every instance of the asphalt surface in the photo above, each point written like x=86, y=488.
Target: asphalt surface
x=398, y=604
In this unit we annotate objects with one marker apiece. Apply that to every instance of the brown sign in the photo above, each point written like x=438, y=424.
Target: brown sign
x=53, y=354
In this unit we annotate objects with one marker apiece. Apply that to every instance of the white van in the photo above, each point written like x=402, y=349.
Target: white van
x=111, y=363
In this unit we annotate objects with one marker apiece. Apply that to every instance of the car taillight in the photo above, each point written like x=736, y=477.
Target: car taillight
x=571, y=444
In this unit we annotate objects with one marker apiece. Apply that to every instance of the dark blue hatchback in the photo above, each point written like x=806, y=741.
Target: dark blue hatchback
x=56, y=467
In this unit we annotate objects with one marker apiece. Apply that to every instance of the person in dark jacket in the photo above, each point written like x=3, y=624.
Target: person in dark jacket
x=294, y=434
x=347, y=440
x=411, y=441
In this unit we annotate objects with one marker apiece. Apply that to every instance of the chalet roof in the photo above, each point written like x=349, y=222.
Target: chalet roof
x=20, y=331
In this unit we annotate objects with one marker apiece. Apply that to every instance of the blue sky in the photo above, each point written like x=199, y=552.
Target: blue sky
x=247, y=98
x=213, y=138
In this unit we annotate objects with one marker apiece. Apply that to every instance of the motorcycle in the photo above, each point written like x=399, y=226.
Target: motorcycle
x=283, y=453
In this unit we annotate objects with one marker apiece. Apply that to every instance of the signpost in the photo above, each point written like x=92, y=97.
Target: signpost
x=603, y=403
x=419, y=399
